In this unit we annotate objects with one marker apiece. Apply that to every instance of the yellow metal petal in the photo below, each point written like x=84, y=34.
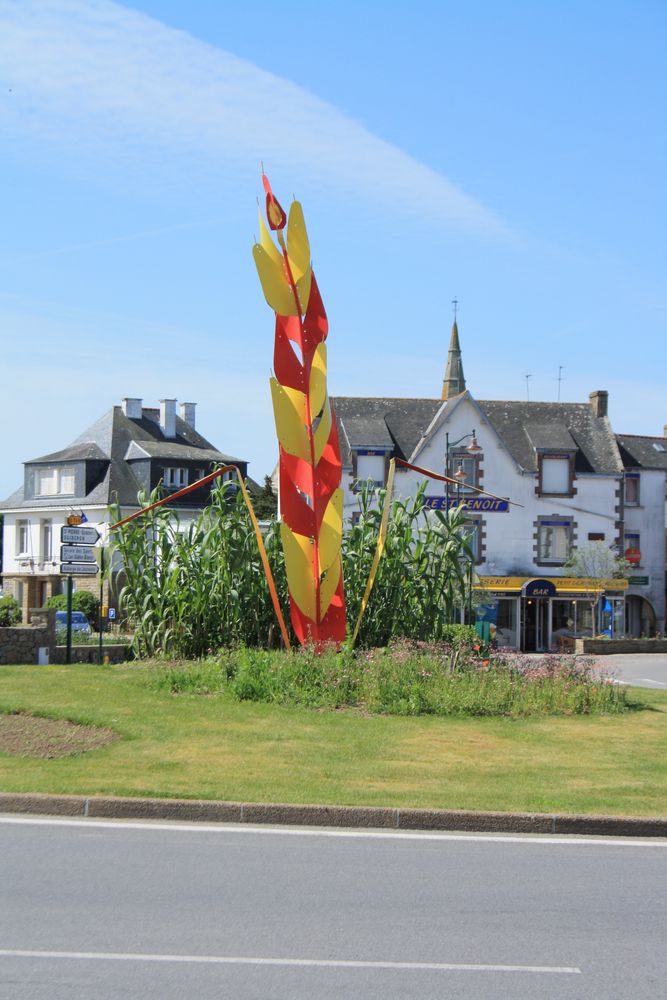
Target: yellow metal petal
x=299, y=565
x=268, y=244
x=289, y=412
x=303, y=289
x=331, y=532
x=318, y=380
x=298, y=247
x=321, y=435
x=328, y=587
x=298, y=251
x=275, y=286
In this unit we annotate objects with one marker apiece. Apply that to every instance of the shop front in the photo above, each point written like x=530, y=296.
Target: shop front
x=538, y=614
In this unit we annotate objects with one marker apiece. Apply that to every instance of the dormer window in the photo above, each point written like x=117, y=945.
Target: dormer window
x=55, y=481
x=175, y=477
x=556, y=474
x=369, y=464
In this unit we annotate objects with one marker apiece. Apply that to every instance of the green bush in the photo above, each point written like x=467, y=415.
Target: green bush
x=82, y=600
x=10, y=612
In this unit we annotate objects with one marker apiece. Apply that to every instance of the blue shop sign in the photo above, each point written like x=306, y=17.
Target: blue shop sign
x=539, y=588
x=476, y=505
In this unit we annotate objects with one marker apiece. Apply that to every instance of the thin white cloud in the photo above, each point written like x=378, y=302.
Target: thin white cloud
x=94, y=76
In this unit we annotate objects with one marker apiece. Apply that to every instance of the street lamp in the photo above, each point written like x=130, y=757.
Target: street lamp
x=473, y=449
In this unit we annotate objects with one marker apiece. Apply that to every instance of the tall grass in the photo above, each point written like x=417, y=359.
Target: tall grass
x=399, y=681
x=186, y=592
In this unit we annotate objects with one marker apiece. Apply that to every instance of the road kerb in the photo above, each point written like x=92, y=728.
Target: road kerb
x=367, y=817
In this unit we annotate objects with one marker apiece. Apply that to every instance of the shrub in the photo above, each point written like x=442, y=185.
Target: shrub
x=10, y=612
x=82, y=600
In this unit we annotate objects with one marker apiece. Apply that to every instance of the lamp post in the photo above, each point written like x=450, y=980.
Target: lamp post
x=473, y=449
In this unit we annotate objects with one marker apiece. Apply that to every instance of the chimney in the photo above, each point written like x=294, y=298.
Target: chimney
x=664, y=431
x=168, y=417
x=132, y=408
x=598, y=402
x=186, y=412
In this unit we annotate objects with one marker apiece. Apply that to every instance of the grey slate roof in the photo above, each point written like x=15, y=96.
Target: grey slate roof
x=640, y=452
x=515, y=421
x=108, y=440
x=75, y=452
x=522, y=427
x=176, y=452
x=382, y=423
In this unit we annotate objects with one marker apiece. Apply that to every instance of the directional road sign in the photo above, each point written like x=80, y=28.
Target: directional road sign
x=77, y=535
x=77, y=553
x=80, y=569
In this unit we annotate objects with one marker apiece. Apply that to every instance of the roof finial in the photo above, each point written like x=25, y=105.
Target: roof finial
x=455, y=303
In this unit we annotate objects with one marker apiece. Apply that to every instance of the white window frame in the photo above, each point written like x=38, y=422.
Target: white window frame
x=22, y=533
x=470, y=465
x=59, y=475
x=549, y=525
x=564, y=461
x=46, y=533
x=175, y=477
x=631, y=477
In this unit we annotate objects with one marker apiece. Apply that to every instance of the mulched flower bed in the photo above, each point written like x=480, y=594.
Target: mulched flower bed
x=31, y=736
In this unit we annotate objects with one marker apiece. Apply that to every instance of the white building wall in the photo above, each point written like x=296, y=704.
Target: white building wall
x=510, y=536
x=647, y=518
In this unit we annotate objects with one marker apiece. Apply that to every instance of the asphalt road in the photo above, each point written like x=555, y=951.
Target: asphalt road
x=647, y=670
x=92, y=909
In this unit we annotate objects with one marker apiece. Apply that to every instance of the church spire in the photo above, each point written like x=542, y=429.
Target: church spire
x=454, y=381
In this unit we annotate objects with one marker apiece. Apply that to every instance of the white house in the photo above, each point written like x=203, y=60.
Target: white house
x=129, y=449
x=577, y=483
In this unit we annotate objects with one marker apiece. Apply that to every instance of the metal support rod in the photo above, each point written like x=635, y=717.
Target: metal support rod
x=100, y=626
x=68, y=652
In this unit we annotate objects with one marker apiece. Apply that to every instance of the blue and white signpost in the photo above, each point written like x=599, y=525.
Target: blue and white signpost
x=76, y=559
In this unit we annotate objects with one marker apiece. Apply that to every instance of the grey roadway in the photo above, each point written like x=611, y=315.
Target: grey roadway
x=647, y=670
x=104, y=909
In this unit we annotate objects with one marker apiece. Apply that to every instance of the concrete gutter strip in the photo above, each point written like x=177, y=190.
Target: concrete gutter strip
x=369, y=817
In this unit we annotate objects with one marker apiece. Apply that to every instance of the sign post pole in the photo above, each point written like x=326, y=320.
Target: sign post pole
x=70, y=587
x=100, y=557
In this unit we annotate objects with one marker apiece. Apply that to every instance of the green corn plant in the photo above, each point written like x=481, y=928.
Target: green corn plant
x=189, y=589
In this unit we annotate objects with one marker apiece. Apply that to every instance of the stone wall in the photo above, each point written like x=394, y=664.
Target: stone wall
x=21, y=643
x=89, y=654
x=602, y=646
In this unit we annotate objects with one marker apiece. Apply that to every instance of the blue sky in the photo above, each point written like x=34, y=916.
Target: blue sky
x=510, y=155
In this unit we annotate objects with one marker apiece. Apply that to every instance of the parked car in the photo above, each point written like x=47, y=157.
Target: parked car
x=79, y=622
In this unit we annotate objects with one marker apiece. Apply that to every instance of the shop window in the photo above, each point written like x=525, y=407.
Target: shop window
x=631, y=489
x=553, y=541
x=506, y=617
x=555, y=475
x=55, y=482
x=175, y=478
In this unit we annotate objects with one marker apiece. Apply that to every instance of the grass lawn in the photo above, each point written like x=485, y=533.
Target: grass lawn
x=188, y=746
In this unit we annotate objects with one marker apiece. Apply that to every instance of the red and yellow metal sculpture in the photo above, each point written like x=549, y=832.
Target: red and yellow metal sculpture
x=311, y=498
